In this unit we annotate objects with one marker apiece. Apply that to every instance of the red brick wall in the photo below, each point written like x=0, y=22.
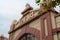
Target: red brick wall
x=3, y=38
x=49, y=27
x=27, y=29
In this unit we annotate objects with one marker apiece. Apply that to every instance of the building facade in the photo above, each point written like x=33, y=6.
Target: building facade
x=36, y=26
x=3, y=38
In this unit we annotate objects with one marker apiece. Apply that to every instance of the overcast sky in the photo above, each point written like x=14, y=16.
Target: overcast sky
x=10, y=10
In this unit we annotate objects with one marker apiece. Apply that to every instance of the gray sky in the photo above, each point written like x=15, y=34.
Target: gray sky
x=10, y=10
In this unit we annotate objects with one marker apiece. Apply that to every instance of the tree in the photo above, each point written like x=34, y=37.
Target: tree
x=52, y=3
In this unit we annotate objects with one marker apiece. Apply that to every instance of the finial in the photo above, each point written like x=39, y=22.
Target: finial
x=14, y=22
x=2, y=35
x=28, y=5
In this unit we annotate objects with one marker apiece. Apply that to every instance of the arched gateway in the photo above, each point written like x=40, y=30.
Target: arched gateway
x=28, y=36
x=35, y=26
x=27, y=33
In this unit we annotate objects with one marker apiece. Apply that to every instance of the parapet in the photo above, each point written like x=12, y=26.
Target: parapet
x=27, y=9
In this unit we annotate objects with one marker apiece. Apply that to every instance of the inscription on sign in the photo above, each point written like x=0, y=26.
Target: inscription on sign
x=28, y=17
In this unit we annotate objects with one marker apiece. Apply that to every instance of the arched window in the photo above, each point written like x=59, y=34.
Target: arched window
x=28, y=37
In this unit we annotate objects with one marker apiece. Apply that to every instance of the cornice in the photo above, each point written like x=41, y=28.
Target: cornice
x=34, y=18
x=57, y=15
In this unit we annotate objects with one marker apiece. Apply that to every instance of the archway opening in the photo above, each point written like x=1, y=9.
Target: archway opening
x=28, y=37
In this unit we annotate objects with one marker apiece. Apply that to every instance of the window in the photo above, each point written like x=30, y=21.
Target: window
x=28, y=37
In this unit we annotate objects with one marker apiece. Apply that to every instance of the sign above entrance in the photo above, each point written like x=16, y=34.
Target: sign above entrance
x=27, y=17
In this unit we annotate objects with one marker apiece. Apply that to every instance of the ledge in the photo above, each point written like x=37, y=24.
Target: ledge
x=57, y=15
x=37, y=16
x=55, y=30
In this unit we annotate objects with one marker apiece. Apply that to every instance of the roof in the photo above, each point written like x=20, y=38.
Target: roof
x=4, y=38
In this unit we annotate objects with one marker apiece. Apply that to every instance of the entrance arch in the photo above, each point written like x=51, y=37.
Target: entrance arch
x=28, y=31
x=28, y=36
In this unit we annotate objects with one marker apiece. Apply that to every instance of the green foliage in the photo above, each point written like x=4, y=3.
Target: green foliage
x=37, y=2
x=44, y=0
x=58, y=1
x=53, y=3
x=39, y=12
x=45, y=6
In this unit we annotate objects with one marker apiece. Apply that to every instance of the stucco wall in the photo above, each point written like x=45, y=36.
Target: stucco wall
x=55, y=37
x=53, y=20
x=58, y=21
x=16, y=33
x=59, y=35
x=35, y=24
x=56, y=24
